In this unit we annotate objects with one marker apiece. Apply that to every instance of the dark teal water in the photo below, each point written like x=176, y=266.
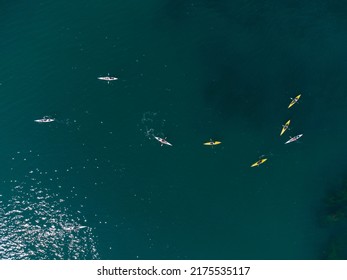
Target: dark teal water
x=190, y=71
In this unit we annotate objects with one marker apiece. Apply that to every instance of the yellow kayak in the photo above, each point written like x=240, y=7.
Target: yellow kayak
x=285, y=127
x=294, y=101
x=259, y=162
x=212, y=143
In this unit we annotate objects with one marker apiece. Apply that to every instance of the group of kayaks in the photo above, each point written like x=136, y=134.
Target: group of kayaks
x=260, y=161
x=284, y=129
x=286, y=125
x=47, y=119
x=163, y=141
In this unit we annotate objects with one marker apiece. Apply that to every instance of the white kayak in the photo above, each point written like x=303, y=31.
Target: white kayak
x=108, y=78
x=45, y=120
x=162, y=141
x=292, y=139
x=73, y=228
